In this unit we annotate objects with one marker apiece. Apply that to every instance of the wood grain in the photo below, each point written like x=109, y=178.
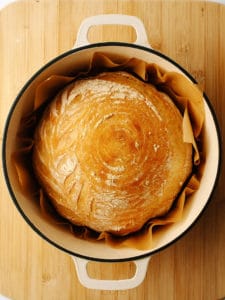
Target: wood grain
x=193, y=33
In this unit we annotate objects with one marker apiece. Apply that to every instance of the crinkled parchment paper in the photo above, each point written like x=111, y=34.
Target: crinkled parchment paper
x=185, y=94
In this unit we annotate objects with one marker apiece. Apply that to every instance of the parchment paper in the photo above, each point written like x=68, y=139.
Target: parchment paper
x=185, y=94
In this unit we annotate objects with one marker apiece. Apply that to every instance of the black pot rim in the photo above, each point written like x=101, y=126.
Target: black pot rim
x=26, y=86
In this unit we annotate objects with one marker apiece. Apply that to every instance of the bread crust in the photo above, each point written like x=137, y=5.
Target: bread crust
x=109, y=152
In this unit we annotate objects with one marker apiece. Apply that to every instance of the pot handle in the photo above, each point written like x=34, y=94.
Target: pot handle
x=112, y=19
x=123, y=284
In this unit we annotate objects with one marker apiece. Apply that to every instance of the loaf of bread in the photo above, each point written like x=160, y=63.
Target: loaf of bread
x=109, y=153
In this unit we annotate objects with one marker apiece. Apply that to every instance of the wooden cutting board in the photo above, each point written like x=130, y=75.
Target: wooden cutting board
x=191, y=32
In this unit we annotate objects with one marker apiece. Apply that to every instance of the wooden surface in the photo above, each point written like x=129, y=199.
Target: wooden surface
x=193, y=33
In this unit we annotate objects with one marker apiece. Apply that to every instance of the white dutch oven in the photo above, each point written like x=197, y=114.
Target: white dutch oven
x=83, y=251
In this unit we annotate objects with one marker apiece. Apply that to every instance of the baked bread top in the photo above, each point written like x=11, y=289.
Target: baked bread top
x=109, y=152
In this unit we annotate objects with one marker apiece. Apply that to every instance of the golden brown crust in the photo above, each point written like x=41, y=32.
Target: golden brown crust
x=109, y=152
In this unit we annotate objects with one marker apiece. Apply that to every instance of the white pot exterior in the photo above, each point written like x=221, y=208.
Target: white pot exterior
x=57, y=235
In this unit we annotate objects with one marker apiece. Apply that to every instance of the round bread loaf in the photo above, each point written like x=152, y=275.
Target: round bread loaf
x=109, y=152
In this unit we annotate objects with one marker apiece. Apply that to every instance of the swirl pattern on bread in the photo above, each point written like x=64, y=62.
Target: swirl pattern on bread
x=109, y=153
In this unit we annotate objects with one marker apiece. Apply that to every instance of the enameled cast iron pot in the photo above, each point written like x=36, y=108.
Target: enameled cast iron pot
x=81, y=250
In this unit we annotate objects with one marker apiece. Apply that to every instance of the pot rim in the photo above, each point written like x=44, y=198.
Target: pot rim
x=26, y=86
